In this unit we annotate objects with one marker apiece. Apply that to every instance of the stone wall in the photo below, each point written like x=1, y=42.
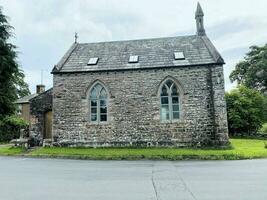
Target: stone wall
x=134, y=108
x=39, y=105
x=220, y=112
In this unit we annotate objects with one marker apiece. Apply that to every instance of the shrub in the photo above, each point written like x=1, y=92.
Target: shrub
x=10, y=128
x=246, y=111
x=263, y=129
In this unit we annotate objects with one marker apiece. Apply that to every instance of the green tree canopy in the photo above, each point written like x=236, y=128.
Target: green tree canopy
x=246, y=110
x=12, y=84
x=252, y=72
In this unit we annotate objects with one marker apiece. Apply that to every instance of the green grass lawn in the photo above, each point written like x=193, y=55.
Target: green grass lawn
x=242, y=149
x=8, y=150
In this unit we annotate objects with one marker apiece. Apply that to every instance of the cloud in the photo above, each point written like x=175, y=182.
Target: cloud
x=45, y=28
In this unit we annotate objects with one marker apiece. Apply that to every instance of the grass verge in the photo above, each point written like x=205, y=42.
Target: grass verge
x=242, y=149
x=7, y=150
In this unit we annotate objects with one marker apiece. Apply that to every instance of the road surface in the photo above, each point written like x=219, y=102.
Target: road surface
x=59, y=179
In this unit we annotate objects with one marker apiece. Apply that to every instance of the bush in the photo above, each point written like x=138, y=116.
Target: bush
x=263, y=129
x=10, y=128
x=246, y=111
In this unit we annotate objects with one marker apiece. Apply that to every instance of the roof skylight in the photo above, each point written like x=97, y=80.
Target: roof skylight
x=179, y=55
x=133, y=59
x=93, y=61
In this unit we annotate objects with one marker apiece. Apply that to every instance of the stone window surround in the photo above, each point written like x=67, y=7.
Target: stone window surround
x=181, y=98
x=168, y=94
x=98, y=122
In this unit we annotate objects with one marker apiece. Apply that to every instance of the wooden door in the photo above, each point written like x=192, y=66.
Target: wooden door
x=48, y=125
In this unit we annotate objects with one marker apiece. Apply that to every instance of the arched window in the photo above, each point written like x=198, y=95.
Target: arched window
x=98, y=104
x=169, y=101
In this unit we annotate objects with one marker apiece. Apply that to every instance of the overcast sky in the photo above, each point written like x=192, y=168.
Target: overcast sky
x=44, y=29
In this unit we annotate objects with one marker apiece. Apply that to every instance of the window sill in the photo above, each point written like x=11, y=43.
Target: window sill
x=98, y=123
x=171, y=121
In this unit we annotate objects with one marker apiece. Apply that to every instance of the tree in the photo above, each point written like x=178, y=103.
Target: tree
x=246, y=111
x=10, y=127
x=12, y=84
x=252, y=72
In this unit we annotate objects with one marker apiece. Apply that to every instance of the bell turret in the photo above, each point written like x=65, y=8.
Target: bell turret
x=199, y=21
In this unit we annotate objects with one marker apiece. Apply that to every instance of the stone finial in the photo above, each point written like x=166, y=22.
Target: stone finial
x=199, y=20
x=75, y=37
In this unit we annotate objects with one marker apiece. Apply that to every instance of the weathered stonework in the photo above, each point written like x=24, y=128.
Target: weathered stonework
x=133, y=72
x=134, y=108
x=39, y=105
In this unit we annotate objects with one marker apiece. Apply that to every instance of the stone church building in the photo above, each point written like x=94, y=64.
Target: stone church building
x=148, y=92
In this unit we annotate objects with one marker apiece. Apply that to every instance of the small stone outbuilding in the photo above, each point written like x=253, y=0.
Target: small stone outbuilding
x=149, y=92
x=36, y=109
x=41, y=112
x=23, y=104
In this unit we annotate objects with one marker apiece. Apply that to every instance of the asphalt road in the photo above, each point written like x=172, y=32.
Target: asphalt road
x=56, y=179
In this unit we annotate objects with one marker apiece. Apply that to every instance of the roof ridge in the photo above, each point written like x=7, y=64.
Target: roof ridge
x=142, y=39
x=26, y=98
x=42, y=93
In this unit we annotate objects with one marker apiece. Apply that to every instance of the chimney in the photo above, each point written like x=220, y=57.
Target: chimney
x=40, y=89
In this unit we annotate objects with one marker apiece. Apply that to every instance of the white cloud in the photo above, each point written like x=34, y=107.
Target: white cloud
x=45, y=28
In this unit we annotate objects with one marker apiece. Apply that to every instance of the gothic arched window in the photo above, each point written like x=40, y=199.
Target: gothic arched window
x=98, y=104
x=169, y=101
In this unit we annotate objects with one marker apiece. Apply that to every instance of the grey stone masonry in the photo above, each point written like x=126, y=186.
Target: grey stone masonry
x=134, y=108
x=220, y=113
x=136, y=113
x=38, y=106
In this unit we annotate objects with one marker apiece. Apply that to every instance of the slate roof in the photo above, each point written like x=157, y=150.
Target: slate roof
x=153, y=53
x=26, y=99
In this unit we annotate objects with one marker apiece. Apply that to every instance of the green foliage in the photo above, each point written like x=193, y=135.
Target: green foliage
x=15, y=121
x=10, y=128
x=11, y=77
x=252, y=72
x=263, y=129
x=246, y=110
